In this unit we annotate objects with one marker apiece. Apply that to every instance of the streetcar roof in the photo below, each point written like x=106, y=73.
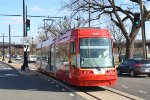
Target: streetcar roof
x=82, y=32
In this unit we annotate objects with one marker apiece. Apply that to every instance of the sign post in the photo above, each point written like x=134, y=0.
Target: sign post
x=26, y=42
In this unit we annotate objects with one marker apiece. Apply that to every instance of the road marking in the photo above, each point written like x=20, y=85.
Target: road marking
x=5, y=68
x=71, y=94
x=52, y=82
x=124, y=86
x=7, y=75
x=57, y=85
x=142, y=92
x=63, y=89
x=33, y=69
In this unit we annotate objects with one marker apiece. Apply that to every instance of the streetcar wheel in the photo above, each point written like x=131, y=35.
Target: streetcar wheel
x=148, y=75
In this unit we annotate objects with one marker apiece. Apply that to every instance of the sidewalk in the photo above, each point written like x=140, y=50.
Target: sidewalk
x=17, y=66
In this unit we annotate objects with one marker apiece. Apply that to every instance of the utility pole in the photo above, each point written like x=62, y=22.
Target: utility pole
x=14, y=52
x=3, y=48
x=25, y=64
x=17, y=48
x=89, y=14
x=32, y=45
x=143, y=29
x=9, y=47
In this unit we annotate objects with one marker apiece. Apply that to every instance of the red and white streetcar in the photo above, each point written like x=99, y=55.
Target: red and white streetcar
x=80, y=57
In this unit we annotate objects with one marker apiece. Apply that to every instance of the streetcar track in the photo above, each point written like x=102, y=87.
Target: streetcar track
x=62, y=83
x=120, y=94
x=92, y=95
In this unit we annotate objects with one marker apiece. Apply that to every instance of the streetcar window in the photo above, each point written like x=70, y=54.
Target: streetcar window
x=73, y=48
x=62, y=55
x=96, y=52
x=73, y=54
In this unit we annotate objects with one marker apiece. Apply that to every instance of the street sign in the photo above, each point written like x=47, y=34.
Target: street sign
x=26, y=42
x=26, y=47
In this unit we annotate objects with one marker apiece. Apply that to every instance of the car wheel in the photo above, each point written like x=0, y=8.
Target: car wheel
x=119, y=72
x=148, y=75
x=132, y=73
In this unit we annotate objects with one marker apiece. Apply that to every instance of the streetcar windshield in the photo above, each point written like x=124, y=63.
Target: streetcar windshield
x=96, y=52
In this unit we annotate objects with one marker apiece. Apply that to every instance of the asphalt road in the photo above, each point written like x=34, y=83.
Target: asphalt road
x=15, y=86
x=138, y=86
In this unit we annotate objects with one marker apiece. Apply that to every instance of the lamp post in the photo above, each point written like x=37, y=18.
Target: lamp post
x=25, y=63
x=3, y=48
x=17, y=48
x=89, y=13
x=32, y=45
x=14, y=52
x=9, y=47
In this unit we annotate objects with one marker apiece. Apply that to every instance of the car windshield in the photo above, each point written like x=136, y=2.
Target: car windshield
x=96, y=52
x=33, y=56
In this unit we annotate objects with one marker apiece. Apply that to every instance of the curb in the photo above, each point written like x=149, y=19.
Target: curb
x=132, y=97
x=9, y=65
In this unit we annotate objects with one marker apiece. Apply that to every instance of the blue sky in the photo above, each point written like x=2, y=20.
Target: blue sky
x=35, y=7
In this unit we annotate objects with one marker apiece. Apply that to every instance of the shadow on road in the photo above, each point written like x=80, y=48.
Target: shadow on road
x=12, y=80
x=128, y=75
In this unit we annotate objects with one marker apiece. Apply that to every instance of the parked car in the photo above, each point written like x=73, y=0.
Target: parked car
x=32, y=58
x=134, y=67
x=18, y=57
x=7, y=55
x=14, y=56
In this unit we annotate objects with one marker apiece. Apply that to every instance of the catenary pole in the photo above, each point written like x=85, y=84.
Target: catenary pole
x=24, y=35
x=89, y=14
x=143, y=29
x=3, y=48
x=9, y=47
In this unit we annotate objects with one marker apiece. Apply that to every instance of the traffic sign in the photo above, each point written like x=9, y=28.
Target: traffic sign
x=26, y=42
x=26, y=47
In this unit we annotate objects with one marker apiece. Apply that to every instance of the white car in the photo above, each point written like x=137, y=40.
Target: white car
x=7, y=55
x=18, y=57
x=32, y=58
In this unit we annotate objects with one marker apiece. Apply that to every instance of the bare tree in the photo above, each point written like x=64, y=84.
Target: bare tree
x=117, y=14
x=118, y=38
x=59, y=26
x=41, y=37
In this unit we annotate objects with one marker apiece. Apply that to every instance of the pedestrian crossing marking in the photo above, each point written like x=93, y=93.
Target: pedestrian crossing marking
x=5, y=68
x=8, y=75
